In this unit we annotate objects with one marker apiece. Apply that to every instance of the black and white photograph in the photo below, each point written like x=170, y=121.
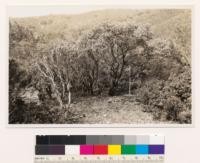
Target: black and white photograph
x=99, y=65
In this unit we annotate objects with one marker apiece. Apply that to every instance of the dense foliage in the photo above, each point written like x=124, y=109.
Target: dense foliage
x=102, y=60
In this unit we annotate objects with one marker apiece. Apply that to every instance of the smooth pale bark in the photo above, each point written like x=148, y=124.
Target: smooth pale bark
x=69, y=99
x=49, y=76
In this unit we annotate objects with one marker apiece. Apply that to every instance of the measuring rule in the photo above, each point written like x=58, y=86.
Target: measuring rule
x=99, y=149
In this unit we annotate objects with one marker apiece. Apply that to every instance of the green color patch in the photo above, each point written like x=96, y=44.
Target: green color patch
x=128, y=149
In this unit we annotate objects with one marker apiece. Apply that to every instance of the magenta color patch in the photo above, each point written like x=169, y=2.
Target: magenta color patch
x=86, y=149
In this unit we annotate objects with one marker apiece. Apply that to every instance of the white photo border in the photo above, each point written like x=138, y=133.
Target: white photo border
x=118, y=125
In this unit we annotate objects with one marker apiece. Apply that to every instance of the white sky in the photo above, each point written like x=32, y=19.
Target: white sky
x=26, y=11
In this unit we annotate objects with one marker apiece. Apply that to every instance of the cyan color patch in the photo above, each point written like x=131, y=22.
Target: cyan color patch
x=142, y=149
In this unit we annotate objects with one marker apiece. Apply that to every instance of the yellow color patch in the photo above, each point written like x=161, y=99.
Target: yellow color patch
x=114, y=149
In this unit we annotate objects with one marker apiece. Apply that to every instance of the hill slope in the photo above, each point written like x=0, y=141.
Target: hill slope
x=168, y=23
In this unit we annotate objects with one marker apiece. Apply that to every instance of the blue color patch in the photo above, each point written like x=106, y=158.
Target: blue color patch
x=142, y=149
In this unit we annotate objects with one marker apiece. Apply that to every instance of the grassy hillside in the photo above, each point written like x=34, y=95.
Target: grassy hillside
x=172, y=24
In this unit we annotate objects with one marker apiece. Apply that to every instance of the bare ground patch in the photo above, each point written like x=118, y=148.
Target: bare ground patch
x=112, y=110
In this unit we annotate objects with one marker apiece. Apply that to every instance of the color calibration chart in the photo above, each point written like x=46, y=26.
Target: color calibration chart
x=99, y=149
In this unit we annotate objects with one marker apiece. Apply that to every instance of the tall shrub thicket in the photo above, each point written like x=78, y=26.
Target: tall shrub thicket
x=100, y=61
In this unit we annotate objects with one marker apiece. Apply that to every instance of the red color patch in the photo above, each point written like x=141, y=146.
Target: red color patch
x=100, y=149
